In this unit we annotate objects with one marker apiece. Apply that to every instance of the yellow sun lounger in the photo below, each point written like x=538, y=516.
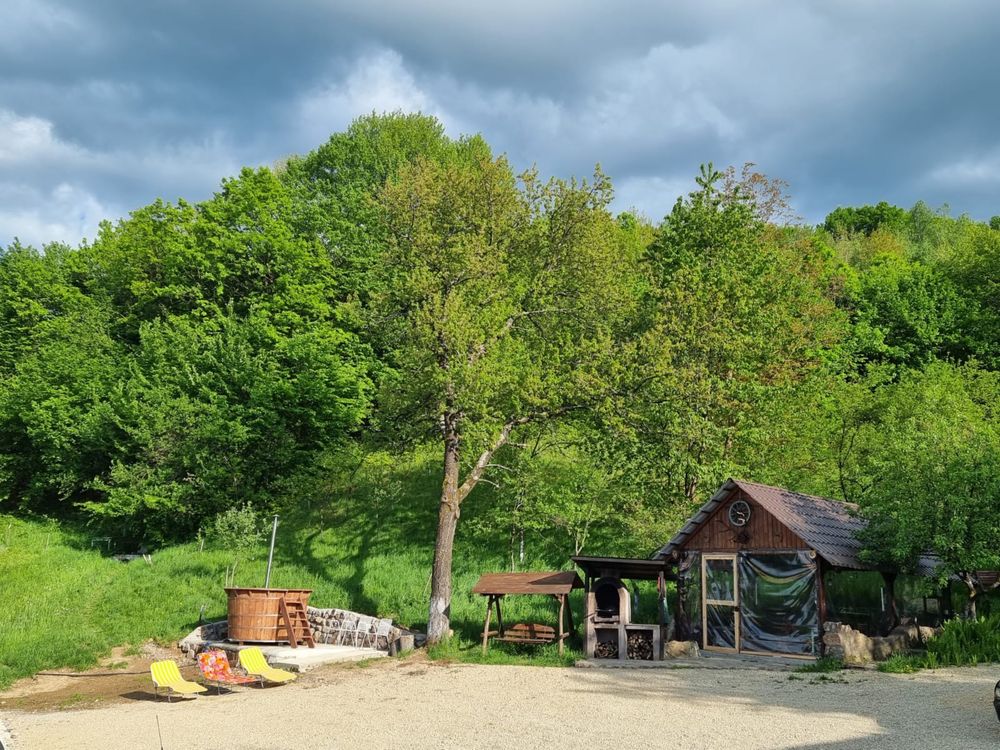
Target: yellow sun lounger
x=253, y=661
x=166, y=675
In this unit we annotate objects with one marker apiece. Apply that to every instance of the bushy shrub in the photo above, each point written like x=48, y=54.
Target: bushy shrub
x=966, y=642
x=239, y=530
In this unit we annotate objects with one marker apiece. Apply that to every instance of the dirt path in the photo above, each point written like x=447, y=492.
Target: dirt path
x=413, y=704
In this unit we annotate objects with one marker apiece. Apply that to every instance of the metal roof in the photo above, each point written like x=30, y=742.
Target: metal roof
x=828, y=526
x=624, y=567
x=551, y=582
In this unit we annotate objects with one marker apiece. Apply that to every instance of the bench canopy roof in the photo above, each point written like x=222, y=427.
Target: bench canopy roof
x=542, y=582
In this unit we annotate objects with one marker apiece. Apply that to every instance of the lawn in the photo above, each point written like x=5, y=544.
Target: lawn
x=64, y=602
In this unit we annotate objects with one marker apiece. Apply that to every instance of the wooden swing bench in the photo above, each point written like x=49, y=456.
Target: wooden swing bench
x=526, y=632
x=495, y=586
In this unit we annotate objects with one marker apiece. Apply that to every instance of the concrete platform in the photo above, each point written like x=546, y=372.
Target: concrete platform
x=303, y=658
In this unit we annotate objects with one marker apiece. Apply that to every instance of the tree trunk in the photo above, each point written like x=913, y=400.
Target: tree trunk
x=439, y=617
x=452, y=495
x=970, y=582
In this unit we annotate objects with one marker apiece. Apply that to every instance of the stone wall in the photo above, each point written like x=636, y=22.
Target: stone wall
x=328, y=624
x=202, y=635
x=855, y=648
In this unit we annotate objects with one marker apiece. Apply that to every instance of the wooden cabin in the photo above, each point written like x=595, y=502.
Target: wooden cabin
x=751, y=566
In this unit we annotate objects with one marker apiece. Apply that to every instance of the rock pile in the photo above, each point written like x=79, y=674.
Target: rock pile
x=854, y=647
x=681, y=650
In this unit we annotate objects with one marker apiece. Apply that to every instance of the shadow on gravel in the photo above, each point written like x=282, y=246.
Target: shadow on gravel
x=933, y=710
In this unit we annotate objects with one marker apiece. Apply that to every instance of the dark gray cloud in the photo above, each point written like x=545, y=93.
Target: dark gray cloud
x=108, y=104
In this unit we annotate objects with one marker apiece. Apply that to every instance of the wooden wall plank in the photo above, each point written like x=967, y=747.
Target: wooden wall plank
x=763, y=532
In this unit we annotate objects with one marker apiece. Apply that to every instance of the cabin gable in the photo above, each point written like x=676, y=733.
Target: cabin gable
x=763, y=531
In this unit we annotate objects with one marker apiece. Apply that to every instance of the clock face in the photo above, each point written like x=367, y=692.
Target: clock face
x=739, y=513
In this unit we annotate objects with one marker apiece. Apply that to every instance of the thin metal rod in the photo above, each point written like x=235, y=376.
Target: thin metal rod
x=270, y=554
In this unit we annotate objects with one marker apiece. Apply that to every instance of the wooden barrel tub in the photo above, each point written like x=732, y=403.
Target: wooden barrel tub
x=254, y=616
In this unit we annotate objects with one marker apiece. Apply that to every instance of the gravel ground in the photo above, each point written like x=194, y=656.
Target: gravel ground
x=414, y=704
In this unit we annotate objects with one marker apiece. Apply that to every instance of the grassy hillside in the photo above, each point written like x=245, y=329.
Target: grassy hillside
x=64, y=602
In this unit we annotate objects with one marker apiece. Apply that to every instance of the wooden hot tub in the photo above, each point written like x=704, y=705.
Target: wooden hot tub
x=254, y=615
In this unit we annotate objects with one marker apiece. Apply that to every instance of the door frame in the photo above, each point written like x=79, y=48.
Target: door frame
x=734, y=603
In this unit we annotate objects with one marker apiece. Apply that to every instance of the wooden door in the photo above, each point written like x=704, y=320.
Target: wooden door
x=720, y=608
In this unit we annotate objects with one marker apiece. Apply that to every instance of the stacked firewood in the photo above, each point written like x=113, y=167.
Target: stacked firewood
x=606, y=650
x=640, y=646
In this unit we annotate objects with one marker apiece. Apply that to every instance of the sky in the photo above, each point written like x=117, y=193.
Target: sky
x=106, y=105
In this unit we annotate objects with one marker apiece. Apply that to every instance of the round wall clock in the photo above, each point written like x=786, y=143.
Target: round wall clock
x=739, y=513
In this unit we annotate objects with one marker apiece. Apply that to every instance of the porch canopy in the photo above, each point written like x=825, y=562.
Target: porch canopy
x=557, y=584
x=635, y=569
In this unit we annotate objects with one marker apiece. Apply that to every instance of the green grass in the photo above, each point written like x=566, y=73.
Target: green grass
x=469, y=651
x=826, y=664
x=66, y=604
x=961, y=643
x=902, y=664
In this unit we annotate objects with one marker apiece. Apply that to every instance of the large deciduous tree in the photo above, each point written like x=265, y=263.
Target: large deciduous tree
x=735, y=316
x=497, y=309
x=930, y=454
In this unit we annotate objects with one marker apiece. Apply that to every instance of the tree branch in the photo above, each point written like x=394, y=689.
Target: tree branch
x=506, y=328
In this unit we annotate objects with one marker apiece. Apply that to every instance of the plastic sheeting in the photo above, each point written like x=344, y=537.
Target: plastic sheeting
x=778, y=605
x=720, y=622
x=689, y=594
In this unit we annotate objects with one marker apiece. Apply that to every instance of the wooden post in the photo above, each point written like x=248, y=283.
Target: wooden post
x=821, y=603
x=486, y=625
x=283, y=612
x=500, y=627
x=891, y=613
x=562, y=607
x=661, y=598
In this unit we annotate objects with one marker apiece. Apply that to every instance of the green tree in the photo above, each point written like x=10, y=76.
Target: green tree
x=931, y=463
x=974, y=269
x=904, y=313
x=498, y=305
x=866, y=219
x=336, y=187
x=735, y=317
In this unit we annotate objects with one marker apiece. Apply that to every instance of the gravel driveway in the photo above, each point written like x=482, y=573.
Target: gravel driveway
x=414, y=704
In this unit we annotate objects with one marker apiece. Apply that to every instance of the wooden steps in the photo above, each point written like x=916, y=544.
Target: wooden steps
x=293, y=613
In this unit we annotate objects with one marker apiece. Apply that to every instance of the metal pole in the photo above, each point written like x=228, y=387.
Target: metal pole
x=270, y=554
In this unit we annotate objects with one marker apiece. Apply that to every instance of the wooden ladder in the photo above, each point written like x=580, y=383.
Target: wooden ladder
x=294, y=615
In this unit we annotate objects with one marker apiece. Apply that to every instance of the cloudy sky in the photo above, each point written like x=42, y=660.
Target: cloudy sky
x=106, y=105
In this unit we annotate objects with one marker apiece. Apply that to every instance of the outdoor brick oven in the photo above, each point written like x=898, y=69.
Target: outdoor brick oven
x=611, y=601
x=610, y=632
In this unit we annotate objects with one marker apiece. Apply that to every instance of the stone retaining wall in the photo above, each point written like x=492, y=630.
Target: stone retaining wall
x=328, y=624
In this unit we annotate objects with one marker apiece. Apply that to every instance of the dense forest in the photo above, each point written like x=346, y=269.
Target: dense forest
x=596, y=376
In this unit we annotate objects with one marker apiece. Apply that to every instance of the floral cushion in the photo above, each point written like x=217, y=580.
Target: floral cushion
x=215, y=666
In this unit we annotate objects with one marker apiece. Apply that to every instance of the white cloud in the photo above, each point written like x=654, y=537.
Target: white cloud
x=47, y=192
x=982, y=171
x=377, y=82
x=31, y=138
x=32, y=22
x=652, y=197
x=64, y=214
